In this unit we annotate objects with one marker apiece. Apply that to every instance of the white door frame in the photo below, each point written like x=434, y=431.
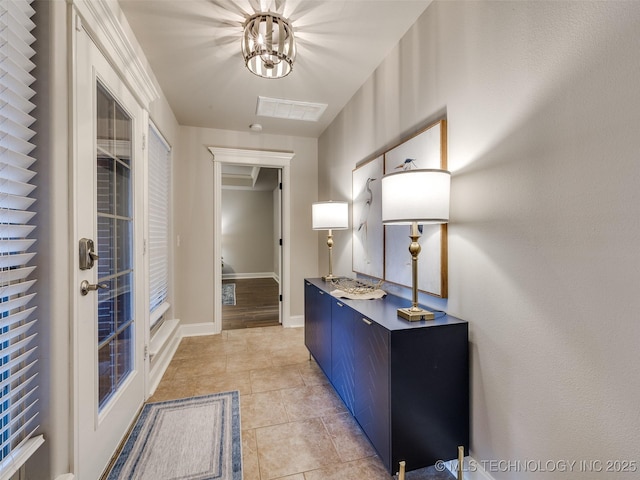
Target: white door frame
x=262, y=158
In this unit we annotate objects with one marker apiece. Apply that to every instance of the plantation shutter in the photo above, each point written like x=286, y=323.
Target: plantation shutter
x=18, y=356
x=159, y=212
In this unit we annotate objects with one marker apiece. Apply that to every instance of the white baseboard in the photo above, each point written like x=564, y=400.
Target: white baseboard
x=294, y=321
x=66, y=476
x=472, y=469
x=242, y=276
x=163, y=346
x=196, y=329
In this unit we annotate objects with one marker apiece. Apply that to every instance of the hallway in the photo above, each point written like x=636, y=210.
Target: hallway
x=294, y=426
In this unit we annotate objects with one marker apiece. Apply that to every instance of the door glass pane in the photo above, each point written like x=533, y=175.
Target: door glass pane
x=122, y=135
x=124, y=307
x=105, y=121
x=104, y=370
x=106, y=247
x=123, y=358
x=123, y=190
x=106, y=314
x=115, y=244
x=104, y=192
x=124, y=258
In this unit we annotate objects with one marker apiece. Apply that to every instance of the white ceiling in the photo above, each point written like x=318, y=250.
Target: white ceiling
x=194, y=50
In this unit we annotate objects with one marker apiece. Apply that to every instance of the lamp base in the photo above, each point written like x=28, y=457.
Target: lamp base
x=415, y=315
x=328, y=278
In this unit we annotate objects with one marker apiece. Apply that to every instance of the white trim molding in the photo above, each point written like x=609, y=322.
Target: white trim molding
x=196, y=329
x=472, y=469
x=19, y=456
x=245, y=276
x=263, y=158
x=162, y=348
x=102, y=24
x=294, y=321
x=268, y=158
x=158, y=312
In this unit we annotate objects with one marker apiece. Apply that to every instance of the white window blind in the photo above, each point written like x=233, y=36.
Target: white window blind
x=159, y=215
x=18, y=356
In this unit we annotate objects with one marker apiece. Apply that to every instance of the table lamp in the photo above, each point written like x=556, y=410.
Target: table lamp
x=413, y=197
x=330, y=216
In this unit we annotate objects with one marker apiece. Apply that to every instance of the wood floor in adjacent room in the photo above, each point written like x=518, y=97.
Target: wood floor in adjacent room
x=257, y=304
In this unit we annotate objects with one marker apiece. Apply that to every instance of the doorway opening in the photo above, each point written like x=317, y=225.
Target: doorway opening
x=267, y=159
x=251, y=260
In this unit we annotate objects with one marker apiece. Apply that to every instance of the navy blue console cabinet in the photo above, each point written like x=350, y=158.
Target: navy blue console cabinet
x=343, y=352
x=406, y=383
x=317, y=331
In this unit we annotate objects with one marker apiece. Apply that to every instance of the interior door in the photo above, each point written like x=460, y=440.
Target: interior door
x=109, y=303
x=278, y=228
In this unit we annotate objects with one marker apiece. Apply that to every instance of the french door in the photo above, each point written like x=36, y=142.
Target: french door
x=109, y=302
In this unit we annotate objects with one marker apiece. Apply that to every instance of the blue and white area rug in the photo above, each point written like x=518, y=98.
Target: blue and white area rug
x=195, y=438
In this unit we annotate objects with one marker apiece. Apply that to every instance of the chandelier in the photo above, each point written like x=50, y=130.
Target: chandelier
x=268, y=46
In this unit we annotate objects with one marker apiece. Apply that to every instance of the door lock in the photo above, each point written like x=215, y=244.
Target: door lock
x=87, y=253
x=86, y=287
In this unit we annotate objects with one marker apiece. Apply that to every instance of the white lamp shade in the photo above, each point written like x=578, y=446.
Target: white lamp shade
x=330, y=215
x=420, y=196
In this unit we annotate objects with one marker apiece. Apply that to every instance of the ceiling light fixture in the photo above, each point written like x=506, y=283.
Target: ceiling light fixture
x=268, y=46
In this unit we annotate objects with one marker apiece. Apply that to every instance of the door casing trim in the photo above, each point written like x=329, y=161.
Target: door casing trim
x=262, y=158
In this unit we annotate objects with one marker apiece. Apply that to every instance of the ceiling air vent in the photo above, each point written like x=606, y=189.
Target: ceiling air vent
x=290, y=109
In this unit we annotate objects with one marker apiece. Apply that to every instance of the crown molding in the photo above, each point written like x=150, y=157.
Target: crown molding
x=101, y=23
x=266, y=158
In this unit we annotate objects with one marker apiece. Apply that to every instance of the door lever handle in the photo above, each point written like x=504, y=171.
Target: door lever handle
x=86, y=287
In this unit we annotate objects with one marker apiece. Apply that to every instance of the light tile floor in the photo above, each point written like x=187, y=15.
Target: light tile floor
x=294, y=426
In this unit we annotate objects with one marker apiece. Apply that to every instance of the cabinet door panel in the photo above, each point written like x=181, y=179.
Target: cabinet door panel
x=429, y=365
x=317, y=323
x=342, y=352
x=372, y=385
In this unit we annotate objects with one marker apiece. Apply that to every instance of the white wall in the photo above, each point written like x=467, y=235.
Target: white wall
x=193, y=189
x=543, y=110
x=247, y=231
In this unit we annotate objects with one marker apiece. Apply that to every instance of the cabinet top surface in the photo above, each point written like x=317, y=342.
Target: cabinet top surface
x=384, y=311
